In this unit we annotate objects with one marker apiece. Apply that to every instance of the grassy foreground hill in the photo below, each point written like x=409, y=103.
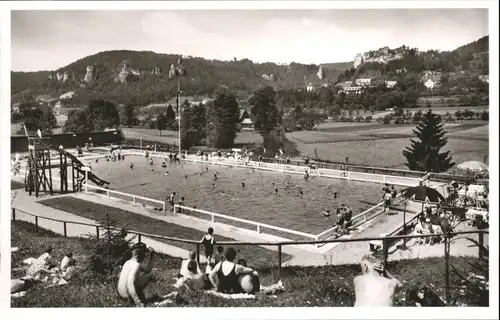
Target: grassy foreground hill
x=328, y=286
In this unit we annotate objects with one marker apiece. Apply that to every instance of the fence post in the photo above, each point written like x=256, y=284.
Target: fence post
x=97, y=232
x=258, y=228
x=65, y=230
x=213, y=219
x=140, y=238
x=13, y=214
x=198, y=253
x=385, y=251
x=447, y=267
x=481, y=245
x=36, y=222
x=279, y=261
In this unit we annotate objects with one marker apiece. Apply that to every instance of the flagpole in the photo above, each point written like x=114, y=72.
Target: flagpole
x=179, y=112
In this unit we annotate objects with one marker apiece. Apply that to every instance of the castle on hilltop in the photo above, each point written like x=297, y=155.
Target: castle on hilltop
x=382, y=55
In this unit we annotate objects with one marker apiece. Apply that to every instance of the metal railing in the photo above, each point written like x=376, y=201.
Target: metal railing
x=386, y=241
x=258, y=225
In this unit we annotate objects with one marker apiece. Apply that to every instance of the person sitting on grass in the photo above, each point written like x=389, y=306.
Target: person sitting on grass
x=192, y=277
x=134, y=277
x=225, y=275
x=375, y=287
x=66, y=261
x=219, y=256
x=184, y=265
x=23, y=284
x=42, y=264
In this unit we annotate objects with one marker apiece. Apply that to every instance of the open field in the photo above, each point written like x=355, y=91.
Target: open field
x=255, y=201
x=171, y=137
x=381, y=144
x=130, y=220
x=167, y=136
x=388, y=152
x=306, y=286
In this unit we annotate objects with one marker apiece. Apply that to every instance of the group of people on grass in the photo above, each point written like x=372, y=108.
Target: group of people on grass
x=46, y=269
x=222, y=274
x=374, y=287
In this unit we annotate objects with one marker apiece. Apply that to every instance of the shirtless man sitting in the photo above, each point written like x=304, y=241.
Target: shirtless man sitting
x=135, y=276
x=375, y=287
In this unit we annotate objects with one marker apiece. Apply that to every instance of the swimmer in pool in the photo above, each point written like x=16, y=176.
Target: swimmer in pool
x=186, y=176
x=166, y=173
x=276, y=191
x=214, y=185
x=326, y=214
x=206, y=169
x=131, y=165
x=215, y=176
x=301, y=193
x=96, y=160
x=335, y=195
x=151, y=161
x=243, y=184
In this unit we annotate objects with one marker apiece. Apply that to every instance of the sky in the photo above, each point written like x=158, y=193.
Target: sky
x=48, y=40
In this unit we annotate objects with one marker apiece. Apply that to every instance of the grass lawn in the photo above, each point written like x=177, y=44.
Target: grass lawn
x=14, y=185
x=306, y=286
x=167, y=136
x=170, y=137
x=129, y=220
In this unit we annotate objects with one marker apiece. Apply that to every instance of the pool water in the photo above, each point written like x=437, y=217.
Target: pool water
x=256, y=200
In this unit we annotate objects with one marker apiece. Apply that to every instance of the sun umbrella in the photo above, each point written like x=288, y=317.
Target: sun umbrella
x=423, y=194
x=473, y=166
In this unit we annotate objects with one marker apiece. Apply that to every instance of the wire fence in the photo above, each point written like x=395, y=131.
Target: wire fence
x=384, y=244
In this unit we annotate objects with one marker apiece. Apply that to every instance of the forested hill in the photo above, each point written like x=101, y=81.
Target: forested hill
x=142, y=77
x=145, y=77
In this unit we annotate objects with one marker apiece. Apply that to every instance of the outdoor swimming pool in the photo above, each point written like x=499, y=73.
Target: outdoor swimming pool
x=256, y=200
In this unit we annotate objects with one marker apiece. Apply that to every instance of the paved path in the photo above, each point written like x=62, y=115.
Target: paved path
x=23, y=202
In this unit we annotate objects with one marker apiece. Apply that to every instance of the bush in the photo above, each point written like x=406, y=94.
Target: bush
x=110, y=252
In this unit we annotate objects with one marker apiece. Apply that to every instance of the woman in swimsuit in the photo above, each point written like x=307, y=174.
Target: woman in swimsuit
x=225, y=275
